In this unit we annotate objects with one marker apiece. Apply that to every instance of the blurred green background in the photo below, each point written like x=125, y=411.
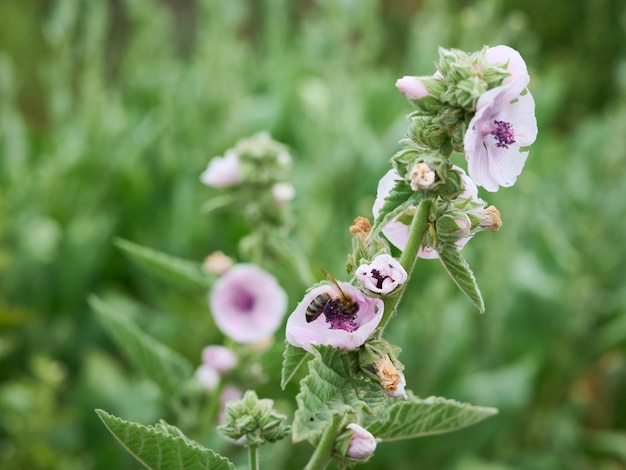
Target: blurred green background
x=109, y=111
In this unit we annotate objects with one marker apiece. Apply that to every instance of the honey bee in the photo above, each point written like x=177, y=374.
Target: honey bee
x=342, y=305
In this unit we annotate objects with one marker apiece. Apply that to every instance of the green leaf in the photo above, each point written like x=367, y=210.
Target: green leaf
x=293, y=358
x=334, y=386
x=163, y=446
x=401, y=198
x=182, y=272
x=159, y=363
x=461, y=274
x=417, y=417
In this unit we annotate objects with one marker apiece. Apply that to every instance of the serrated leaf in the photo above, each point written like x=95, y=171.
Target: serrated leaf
x=159, y=450
x=293, y=358
x=400, y=198
x=159, y=363
x=422, y=417
x=180, y=271
x=461, y=274
x=334, y=386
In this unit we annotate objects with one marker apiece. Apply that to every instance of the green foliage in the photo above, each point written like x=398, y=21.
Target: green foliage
x=293, y=358
x=421, y=417
x=461, y=274
x=176, y=270
x=163, y=446
x=159, y=363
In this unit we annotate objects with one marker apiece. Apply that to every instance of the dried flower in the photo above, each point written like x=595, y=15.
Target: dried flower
x=333, y=325
x=361, y=228
x=222, y=172
x=422, y=177
x=248, y=304
x=362, y=444
x=383, y=275
x=498, y=134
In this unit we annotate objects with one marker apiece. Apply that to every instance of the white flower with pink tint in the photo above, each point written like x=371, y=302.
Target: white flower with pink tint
x=383, y=275
x=396, y=231
x=333, y=324
x=412, y=87
x=505, y=55
x=222, y=172
x=247, y=303
x=283, y=193
x=362, y=444
x=219, y=358
x=498, y=135
x=207, y=376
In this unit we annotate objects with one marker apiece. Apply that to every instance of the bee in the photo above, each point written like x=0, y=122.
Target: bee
x=342, y=305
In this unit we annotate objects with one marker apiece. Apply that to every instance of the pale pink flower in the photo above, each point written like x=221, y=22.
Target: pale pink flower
x=247, y=303
x=397, y=232
x=505, y=55
x=219, y=358
x=412, y=87
x=207, y=376
x=283, y=193
x=334, y=326
x=498, y=134
x=383, y=275
x=222, y=172
x=362, y=444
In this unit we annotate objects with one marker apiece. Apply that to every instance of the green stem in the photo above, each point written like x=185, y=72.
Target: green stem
x=320, y=458
x=419, y=225
x=253, y=457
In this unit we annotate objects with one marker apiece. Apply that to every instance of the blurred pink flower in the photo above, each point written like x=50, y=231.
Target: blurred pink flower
x=333, y=326
x=283, y=193
x=222, y=172
x=515, y=64
x=383, y=275
x=247, y=303
x=411, y=87
x=362, y=445
x=207, y=376
x=495, y=141
x=397, y=232
x=219, y=358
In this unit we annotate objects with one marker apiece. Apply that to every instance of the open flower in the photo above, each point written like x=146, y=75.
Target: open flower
x=506, y=55
x=335, y=324
x=397, y=232
x=498, y=134
x=362, y=444
x=248, y=304
x=383, y=275
x=222, y=172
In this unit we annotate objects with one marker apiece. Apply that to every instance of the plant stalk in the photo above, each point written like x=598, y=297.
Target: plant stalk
x=322, y=455
x=253, y=457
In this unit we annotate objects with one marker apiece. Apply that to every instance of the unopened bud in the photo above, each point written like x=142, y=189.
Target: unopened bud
x=422, y=176
x=362, y=443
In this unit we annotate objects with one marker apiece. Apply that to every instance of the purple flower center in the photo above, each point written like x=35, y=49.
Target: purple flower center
x=243, y=300
x=503, y=133
x=380, y=278
x=339, y=318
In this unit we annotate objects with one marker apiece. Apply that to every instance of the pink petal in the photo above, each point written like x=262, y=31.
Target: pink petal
x=516, y=65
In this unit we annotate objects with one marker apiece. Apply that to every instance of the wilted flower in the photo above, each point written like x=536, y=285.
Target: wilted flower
x=506, y=55
x=333, y=325
x=222, y=172
x=396, y=231
x=383, y=275
x=219, y=358
x=411, y=87
x=422, y=177
x=247, y=303
x=498, y=134
x=362, y=444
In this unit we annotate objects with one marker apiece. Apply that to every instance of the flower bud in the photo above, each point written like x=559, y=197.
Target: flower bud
x=412, y=87
x=207, y=376
x=222, y=172
x=362, y=444
x=219, y=358
x=283, y=193
x=255, y=420
x=217, y=263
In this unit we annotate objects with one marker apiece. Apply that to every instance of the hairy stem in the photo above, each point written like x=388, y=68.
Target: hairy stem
x=321, y=457
x=253, y=457
x=419, y=225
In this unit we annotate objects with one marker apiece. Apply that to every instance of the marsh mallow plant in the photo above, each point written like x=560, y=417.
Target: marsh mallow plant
x=476, y=108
